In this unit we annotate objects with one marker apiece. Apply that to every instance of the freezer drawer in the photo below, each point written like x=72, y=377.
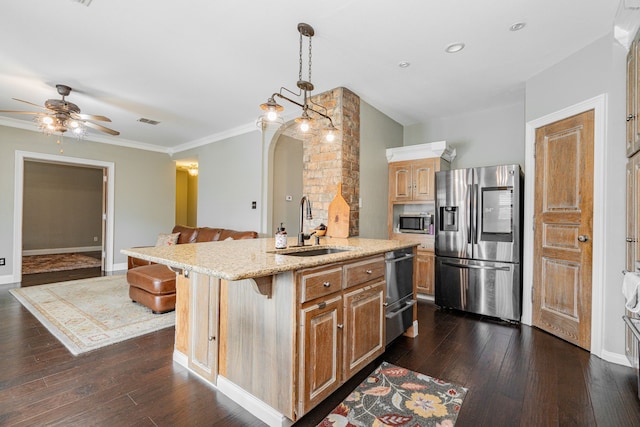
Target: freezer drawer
x=482, y=287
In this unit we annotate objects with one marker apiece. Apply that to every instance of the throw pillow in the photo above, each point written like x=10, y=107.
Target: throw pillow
x=167, y=239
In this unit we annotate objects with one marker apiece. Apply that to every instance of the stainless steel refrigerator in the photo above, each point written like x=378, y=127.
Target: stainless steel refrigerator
x=478, y=242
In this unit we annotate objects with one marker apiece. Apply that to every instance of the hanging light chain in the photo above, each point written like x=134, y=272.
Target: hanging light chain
x=310, y=59
x=300, y=59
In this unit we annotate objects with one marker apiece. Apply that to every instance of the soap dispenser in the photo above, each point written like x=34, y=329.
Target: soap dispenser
x=281, y=238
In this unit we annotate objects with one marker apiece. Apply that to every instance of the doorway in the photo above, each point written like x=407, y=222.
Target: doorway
x=107, y=204
x=598, y=105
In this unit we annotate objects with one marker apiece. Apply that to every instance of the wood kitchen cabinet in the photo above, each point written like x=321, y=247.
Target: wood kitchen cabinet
x=342, y=325
x=632, y=242
x=364, y=336
x=425, y=273
x=633, y=98
x=412, y=180
x=321, y=350
x=203, y=341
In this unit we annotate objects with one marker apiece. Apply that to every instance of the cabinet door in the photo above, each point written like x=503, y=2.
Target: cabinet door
x=425, y=275
x=203, y=343
x=635, y=96
x=423, y=179
x=363, y=327
x=400, y=182
x=320, y=352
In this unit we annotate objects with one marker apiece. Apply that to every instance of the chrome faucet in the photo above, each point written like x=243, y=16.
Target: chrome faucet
x=301, y=236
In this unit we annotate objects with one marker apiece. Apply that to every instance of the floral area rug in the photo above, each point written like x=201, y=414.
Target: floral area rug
x=91, y=313
x=57, y=262
x=395, y=396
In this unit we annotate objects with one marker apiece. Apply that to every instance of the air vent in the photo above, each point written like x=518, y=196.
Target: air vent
x=148, y=121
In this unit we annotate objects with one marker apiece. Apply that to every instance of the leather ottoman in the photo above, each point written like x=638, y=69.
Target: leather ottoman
x=153, y=286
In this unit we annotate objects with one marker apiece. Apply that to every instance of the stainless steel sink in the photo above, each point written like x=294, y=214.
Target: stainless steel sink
x=316, y=252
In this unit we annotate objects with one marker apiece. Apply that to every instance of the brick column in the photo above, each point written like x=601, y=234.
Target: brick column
x=328, y=163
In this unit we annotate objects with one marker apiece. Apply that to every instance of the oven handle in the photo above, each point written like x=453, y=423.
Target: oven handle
x=404, y=258
x=477, y=267
x=398, y=312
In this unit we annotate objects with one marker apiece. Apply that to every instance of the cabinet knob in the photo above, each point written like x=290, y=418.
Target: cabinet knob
x=369, y=271
x=212, y=338
x=630, y=240
x=582, y=238
x=631, y=117
x=326, y=284
x=340, y=325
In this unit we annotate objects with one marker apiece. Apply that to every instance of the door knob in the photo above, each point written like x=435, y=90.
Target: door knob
x=583, y=238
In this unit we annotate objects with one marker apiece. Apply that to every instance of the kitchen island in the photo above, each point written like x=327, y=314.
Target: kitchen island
x=278, y=331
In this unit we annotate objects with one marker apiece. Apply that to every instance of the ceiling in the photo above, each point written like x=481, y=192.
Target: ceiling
x=202, y=67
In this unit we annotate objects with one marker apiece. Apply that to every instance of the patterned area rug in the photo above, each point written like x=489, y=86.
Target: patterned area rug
x=91, y=313
x=395, y=396
x=57, y=262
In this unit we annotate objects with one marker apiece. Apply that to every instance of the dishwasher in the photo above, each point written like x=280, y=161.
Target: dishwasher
x=399, y=301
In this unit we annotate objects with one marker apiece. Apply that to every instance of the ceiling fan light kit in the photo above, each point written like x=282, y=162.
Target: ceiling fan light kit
x=271, y=117
x=60, y=116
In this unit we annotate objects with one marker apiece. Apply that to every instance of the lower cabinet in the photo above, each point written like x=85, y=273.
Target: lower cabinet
x=425, y=273
x=203, y=341
x=363, y=327
x=321, y=350
x=340, y=331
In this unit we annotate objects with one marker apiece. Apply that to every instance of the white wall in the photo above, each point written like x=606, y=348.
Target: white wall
x=597, y=69
x=144, y=189
x=287, y=181
x=229, y=179
x=377, y=133
x=482, y=138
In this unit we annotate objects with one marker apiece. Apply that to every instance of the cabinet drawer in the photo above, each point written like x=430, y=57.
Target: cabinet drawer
x=363, y=271
x=316, y=283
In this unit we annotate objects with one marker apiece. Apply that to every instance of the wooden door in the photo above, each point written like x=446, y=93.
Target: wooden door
x=423, y=177
x=563, y=221
x=400, y=182
x=364, y=337
x=321, y=351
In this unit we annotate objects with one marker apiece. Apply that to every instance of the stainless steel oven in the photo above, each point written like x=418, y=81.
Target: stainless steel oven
x=399, y=300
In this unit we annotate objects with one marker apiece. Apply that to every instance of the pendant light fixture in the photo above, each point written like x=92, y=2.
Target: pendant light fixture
x=310, y=110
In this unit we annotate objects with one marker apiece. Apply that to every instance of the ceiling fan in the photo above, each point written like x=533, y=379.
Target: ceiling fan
x=60, y=115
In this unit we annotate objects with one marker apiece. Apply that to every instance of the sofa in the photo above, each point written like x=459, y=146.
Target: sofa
x=154, y=285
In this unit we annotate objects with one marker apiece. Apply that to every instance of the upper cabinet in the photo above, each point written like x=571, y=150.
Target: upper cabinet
x=412, y=180
x=633, y=98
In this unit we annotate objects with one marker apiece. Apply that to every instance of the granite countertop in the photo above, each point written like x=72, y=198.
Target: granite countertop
x=250, y=258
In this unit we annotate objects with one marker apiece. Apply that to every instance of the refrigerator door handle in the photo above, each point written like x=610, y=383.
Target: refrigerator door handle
x=477, y=267
x=476, y=213
x=469, y=213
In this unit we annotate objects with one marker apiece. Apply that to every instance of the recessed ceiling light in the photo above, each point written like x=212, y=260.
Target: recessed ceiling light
x=454, y=47
x=517, y=26
x=403, y=64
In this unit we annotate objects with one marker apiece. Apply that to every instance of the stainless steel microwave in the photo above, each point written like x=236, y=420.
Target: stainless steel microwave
x=416, y=223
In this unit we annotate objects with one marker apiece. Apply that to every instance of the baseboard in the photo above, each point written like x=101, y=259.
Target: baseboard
x=255, y=406
x=118, y=267
x=52, y=251
x=8, y=279
x=617, y=358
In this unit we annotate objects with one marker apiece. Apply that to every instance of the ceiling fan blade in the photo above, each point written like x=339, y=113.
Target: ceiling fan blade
x=30, y=103
x=101, y=128
x=79, y=116
x=21, y=112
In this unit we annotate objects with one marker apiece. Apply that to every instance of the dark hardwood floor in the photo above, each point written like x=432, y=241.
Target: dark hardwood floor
x=516, y=376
